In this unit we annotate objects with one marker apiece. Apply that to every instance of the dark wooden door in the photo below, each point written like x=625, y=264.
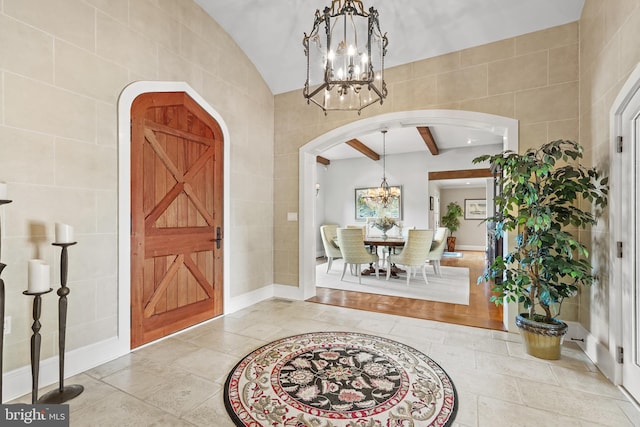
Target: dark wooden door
x=176, y=215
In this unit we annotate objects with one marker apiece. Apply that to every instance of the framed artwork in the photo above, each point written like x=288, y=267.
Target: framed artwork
x=475, y=209
x=367, y=208
x=430, y=203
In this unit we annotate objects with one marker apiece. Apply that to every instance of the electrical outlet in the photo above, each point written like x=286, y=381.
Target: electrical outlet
x=7, y=325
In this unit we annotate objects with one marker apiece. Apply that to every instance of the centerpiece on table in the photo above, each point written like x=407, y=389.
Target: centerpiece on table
x=384, y=224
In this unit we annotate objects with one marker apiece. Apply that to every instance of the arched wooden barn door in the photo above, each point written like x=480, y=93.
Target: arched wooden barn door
x=176, y=215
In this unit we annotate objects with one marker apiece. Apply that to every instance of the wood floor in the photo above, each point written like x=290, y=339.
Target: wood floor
x=479, y=313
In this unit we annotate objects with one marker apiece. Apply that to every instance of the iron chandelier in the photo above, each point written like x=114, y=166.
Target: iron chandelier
x=347, y=73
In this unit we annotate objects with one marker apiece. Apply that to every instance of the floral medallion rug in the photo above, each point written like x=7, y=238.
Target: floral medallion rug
x=331, y=379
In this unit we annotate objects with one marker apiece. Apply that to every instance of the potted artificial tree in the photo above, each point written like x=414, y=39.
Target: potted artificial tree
x=451, y=221
x=546, y=193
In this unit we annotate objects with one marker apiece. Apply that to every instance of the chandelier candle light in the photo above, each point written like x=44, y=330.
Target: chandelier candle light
x=346, y=64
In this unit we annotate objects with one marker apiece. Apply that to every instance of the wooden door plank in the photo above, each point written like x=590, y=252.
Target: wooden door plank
x=162, y=155
x=197, y=274
x=162, y=286
x=157, y=127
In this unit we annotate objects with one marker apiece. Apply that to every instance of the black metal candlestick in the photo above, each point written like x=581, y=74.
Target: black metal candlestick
x=35, y=342
x=62, y=393
x=2, y=266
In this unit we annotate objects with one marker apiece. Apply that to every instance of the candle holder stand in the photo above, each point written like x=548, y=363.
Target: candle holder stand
x=2, y=304
x=35, y=342
x=62, y=393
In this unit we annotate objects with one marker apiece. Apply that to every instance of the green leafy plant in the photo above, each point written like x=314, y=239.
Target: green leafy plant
x=545, y=192
x=450, y=218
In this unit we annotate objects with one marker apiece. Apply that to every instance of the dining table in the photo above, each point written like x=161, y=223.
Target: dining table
x=390, y=243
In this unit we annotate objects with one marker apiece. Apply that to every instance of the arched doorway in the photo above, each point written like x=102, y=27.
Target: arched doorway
x=128, y=95
x=503, y=126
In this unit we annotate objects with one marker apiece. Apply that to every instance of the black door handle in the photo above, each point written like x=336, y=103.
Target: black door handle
x=218, y=238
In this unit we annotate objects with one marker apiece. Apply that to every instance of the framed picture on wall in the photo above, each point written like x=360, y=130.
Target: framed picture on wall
x=430, y=203
x=475, y=209
x=366, y=207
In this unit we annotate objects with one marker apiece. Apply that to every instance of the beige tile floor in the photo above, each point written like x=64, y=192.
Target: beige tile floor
x=179, y=381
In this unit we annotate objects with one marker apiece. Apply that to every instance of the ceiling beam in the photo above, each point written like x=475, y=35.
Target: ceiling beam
x=359, y=146
x=425, y=133
x=464, y=173
x=323, y=160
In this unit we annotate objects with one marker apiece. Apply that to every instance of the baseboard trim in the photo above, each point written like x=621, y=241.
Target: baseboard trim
x=271, y=291
x=17, y=383
x=470, y=248
x=598, y=353
x=288, y=292
x=248, y=299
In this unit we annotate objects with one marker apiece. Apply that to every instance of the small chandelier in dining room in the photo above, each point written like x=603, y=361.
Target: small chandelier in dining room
x=384, y=195
x=345, y=65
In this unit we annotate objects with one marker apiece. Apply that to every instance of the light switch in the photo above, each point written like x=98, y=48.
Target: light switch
x=292, y=216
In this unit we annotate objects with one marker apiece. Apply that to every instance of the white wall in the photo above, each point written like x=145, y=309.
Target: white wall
x=321, y=173
x=472, y=234
x=342, y=177
x=408, y=170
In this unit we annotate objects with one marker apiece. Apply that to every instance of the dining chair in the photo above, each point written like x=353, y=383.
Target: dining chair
x=354, y=252
x=396, y=250
x=359, y=227
x=437, y=249
x=331, y=250
x=414, y=254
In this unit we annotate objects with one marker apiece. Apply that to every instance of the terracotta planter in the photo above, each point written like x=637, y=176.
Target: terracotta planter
x=542, y=340
x=451, y=244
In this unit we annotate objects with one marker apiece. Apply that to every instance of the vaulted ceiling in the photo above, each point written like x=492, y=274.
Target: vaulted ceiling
x=270, y=33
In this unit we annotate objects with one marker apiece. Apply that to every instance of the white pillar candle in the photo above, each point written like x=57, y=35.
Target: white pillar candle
x=38, y=276
x=3, y=191
x=64, y=233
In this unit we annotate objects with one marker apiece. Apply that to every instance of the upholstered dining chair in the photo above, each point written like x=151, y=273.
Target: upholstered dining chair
x=331, y=251
x=414, y=254
x=359, y=227
x=396, y=250
x=437, y=249
x=351, y=242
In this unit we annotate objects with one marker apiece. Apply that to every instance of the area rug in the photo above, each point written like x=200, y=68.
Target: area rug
x=335, y=379
x=452, y=287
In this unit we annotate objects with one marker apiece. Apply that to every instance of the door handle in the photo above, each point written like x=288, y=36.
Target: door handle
x=218, y=238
